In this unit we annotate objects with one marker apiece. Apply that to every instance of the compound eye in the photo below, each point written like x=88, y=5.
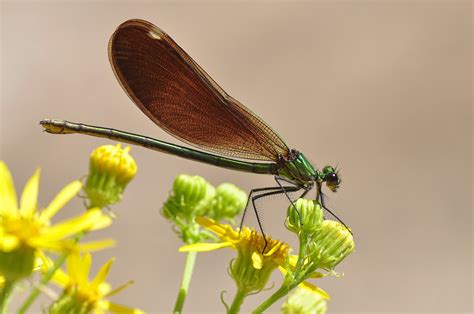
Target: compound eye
x=331, y=177
x=332, y=181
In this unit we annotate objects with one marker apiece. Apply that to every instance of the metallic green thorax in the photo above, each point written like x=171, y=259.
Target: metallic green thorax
x=299, y=170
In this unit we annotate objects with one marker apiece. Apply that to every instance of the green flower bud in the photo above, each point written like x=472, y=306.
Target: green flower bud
x=192, y=190
x=191, y=197
x=302, y=301
x=309, y=218
x=111, y=168
x=228, y=202
x=17, y=264
x=330, y=245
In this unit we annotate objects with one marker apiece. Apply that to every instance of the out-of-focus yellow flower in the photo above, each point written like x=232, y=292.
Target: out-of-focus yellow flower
x=81, y=295
x=302, y=301
x=111, y=168
x=25, y=231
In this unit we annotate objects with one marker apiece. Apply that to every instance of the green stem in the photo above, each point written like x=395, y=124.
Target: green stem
x=301, y=253
x=5, y=294
x=238, y=300
x=280, y=293
x=46, y=278
x=187, y=274
x=287, y=286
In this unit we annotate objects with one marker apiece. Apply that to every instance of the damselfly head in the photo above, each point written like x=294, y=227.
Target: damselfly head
x=331, y=177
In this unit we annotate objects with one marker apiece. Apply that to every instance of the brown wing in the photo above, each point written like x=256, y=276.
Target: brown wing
x=181, y=98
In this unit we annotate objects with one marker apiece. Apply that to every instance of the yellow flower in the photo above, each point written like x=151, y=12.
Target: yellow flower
x=25, y=231
x=111, y=168
x=251, y=263
x=275, y=252
x=81, y=295
x=252, y=268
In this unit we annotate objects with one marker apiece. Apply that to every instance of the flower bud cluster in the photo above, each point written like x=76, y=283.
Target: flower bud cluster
x=193, y=196
x=327, y=242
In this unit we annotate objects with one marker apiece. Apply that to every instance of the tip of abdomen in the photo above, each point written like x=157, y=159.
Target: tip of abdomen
x=54, y=126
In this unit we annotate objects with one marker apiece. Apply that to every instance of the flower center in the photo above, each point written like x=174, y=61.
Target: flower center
x=22, y=228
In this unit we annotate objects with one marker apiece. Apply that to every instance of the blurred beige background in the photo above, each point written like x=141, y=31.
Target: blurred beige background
x=384, y=88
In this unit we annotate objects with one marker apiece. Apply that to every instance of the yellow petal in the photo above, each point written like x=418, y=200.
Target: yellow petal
x=120, y=288
x=63, y=197
x=8, y=202
x=257, y=260
x=273, y=249
x=293, y=260
x=282, y=270
x=56, y=245
x=102, y=223
x=212, y=225
x=84, y=222
x=46, y=244
x=309, y=286
x=122, y=309
x=29, y=196
x=85, y=266
x=204, y=247
x=102, y=274
x=99, y=307
x=73, y=267
x=104, y=288
x=95, y=245
x=60, y=278
x=45, y=262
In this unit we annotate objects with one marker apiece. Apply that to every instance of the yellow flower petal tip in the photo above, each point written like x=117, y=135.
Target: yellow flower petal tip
x=315, y=289
x=257, y=260
x=204, y=247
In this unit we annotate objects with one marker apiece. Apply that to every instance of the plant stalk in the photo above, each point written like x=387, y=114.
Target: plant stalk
x=185, y=281
x=238, y=300
x=46, y=278
x=5, y=294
